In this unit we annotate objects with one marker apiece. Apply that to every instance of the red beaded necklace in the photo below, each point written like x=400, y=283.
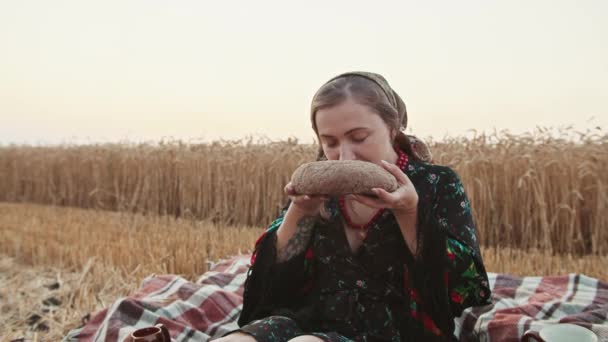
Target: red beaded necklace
x=401, y=163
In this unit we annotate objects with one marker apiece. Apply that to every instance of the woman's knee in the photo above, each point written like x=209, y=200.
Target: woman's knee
x=236, y=337
x=306, y=338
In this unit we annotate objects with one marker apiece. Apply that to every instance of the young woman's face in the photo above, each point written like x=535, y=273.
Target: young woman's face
x=351, y=131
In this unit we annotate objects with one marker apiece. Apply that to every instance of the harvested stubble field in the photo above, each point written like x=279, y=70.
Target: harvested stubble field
x=540, y=204
x=95, y=257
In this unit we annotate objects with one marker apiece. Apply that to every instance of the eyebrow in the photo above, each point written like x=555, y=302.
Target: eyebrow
x=348, y=132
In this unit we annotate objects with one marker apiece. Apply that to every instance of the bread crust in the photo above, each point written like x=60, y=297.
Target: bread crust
x=341, y=177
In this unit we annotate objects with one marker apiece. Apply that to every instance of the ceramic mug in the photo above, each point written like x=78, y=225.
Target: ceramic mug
x=560, y=332
x=157, y=333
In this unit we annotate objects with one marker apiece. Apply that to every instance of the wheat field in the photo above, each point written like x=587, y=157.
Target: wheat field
x=527, y=191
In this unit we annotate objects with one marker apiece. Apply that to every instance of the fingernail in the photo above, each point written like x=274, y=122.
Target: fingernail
x=384, y=161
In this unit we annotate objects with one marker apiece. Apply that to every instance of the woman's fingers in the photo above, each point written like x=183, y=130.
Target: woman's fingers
x=290, y=190
x=384, y=198
x=396, y=171
x=383, y=195
x=314, y=197
x=310, y=204
x=305, y=197
x=306, y=201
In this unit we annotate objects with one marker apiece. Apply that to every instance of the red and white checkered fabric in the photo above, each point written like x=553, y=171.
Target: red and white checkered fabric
x=210, y=307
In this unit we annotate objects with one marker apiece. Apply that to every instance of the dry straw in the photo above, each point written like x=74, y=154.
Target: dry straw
x=527, y=191
x=97, y=257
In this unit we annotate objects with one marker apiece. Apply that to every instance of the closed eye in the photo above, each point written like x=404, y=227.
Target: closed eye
x=359, y=138
x=330, y=144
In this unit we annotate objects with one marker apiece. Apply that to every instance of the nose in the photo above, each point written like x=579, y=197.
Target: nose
x=346, y=152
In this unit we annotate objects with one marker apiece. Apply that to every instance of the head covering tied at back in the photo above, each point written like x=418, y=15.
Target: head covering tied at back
x=419, y=148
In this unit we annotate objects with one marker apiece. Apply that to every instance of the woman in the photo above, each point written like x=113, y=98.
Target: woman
x=394, y=267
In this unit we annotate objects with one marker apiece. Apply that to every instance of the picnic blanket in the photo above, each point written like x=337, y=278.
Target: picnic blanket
x=210, y=307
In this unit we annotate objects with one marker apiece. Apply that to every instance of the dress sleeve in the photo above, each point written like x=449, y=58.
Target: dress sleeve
x=272, y=286
x=467, y=284
x=466, y=277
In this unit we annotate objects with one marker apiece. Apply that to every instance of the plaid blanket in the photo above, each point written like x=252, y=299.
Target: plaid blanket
x=210, y=307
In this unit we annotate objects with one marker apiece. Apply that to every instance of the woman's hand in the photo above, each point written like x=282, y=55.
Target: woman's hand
x=309, y=205
x=403, y=201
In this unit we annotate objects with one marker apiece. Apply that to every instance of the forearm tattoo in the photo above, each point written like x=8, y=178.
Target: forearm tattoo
x=298, y=240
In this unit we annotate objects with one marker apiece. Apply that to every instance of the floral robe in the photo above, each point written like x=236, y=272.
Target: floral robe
x=369, y=295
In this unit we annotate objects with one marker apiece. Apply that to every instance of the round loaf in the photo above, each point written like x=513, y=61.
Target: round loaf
x=341, y=177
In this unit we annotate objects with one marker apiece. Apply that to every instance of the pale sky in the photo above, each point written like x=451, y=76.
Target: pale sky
x=99, y=71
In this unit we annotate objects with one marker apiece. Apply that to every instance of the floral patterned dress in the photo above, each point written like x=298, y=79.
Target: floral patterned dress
x=368, y=295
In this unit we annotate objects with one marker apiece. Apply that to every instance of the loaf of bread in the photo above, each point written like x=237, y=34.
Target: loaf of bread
x=341, y=177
